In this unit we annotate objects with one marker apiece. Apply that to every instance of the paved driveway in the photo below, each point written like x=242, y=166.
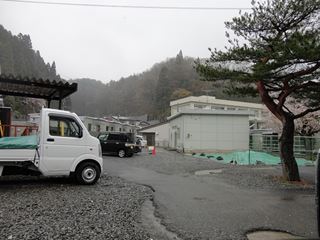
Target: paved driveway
x=223, y=205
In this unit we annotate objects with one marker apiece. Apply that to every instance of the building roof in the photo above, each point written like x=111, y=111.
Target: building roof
x=152, y=126
x=214, y=100
x=210, y=112
x=106, y=121
x=36, y=88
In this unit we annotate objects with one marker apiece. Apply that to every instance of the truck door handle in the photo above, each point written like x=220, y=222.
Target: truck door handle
x=50, y=139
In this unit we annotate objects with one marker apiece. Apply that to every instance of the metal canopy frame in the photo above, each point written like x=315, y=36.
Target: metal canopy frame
x=36, y=88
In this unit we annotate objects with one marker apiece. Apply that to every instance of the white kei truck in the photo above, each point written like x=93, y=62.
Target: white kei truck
x=62, y=147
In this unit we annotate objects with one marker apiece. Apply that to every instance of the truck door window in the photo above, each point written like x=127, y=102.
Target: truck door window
x=64, y=127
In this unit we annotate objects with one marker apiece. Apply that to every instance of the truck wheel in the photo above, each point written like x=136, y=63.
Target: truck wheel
x=121, y=153
x=87, y=173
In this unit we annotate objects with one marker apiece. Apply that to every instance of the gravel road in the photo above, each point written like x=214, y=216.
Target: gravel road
x=38, y=208
x=224, y=204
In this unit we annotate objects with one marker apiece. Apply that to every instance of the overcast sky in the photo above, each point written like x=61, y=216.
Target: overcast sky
x=110, y=43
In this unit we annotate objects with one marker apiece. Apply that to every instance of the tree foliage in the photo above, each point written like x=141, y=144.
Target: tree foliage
x=18, y=58
x=307, y=125
x=275, y=53
x=147, y=93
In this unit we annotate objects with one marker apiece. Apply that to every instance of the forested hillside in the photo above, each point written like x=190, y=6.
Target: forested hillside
x=147, y=93
x=18, y=58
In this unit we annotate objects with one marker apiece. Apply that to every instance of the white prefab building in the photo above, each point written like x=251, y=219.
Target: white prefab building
x=157, y=134
x=207, y=130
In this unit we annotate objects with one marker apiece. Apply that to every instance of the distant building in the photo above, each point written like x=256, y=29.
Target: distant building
x=157, y=134
x=256, y=119
x=97, y=125
x=34, y=118
x=138, y=121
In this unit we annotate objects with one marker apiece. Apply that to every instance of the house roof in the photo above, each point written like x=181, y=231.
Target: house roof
x=36, y=88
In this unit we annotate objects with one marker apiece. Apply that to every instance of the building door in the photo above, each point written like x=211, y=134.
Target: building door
x=175, y=139
x=151, y=138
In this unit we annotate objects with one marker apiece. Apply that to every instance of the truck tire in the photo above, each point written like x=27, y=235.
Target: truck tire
x=122, y=153
x=87, y=173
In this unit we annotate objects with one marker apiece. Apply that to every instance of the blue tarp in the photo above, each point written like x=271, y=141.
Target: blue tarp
x=25, y=142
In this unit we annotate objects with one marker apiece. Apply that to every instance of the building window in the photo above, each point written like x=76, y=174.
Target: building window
x=111, y=129
x=119, y=129
x=199, y=106
x=98, y=128
x=231, y=108
x=217, y=107
x=89, y=127
x=107, y=128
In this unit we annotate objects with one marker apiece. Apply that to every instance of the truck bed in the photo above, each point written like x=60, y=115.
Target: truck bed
x=18, y=148
x=17, y=155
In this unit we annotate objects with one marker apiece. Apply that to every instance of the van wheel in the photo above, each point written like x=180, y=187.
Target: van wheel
x=121, y=153
x=87, y=173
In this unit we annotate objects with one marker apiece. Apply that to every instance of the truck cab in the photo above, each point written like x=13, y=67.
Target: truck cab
x=64, y=148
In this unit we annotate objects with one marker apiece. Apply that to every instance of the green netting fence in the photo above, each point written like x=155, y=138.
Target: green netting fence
x=304, y=147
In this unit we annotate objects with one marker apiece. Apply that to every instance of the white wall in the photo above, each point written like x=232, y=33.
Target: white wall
x=176, y=130
x=210, y=132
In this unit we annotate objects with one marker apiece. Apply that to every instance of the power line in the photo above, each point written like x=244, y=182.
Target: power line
x=125, y=6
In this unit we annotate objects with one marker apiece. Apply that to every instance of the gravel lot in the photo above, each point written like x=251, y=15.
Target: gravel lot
x=55, y=208
x=38, y=208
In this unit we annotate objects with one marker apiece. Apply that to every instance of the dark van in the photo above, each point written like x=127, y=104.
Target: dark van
x=121, y=144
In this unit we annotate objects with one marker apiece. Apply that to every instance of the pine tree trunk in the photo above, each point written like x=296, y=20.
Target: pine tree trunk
x=289, y=165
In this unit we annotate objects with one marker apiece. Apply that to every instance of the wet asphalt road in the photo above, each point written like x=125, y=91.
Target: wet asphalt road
x=211, y=206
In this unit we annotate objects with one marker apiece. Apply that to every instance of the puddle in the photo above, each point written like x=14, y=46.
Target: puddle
x=287, y=198
x=271, y=235
x=208, y=172
x=153, y=223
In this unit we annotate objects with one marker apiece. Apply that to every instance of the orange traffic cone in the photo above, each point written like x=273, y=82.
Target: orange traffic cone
x=154, y=151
